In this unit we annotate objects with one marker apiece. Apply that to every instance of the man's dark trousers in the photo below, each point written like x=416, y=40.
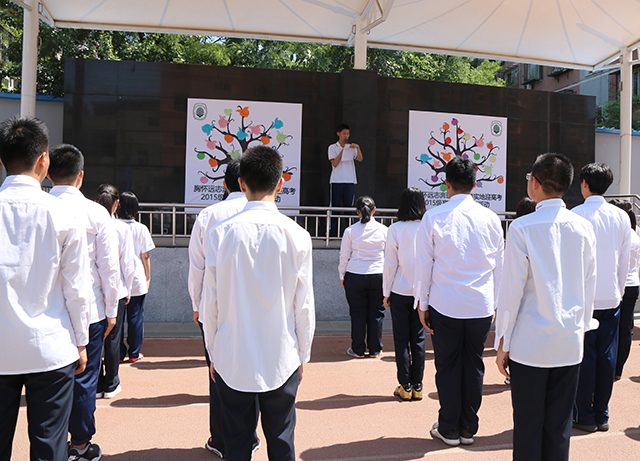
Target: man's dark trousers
x=49, y=398
x=278, y=414
x=341, y=196
x=82, y=423
x=458, y=345
x=542, y=400
x=109, y=379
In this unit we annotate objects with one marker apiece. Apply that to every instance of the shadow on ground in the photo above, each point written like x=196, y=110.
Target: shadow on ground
x=170, y=364
x=174, y=400
x=342, y=401
x=163, y=454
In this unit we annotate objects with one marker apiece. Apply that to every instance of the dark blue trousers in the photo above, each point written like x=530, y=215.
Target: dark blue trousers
x=597, y=370
x=458, y=346
x=277, y=410
x=135, y=328
x=364, y=295
x=341, y=196
x=542, y=400
x=625, y=332
x=109, y=379
x=82, y=423
x=409, y=337
x=49, y=398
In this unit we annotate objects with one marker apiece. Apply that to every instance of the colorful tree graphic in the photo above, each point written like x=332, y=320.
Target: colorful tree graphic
x=226, y=141
x=453, y=140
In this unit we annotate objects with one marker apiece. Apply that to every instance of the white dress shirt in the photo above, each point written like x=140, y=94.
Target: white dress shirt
x=633, y=279
x=548, y=287
x=345, y=172
x=209, y=217
x=257, y=310
x=102, y=245
x=45, y=280
x=362, y=248
x=613, y=240
x=459, y=259
x=142, y=243
x=127, y=258
x=400, y=258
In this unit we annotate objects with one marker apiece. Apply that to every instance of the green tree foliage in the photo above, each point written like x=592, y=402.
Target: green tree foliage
x=56, y=44
x=608, y=114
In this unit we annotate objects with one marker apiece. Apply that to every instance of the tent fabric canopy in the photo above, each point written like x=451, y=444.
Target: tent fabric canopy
x=582, y=34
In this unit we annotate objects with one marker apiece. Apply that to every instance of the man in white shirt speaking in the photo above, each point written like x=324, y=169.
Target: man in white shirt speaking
x=45, y=290
x=459, y=259
x=613, y=243
x=544, y=308
x=258, y=312
x=66, y=171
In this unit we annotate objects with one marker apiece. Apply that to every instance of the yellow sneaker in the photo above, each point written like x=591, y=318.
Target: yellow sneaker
x=403, y=393
x=416, y=392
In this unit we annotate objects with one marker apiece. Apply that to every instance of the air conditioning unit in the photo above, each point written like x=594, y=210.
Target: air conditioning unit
x=532, y=73
x=555, y=71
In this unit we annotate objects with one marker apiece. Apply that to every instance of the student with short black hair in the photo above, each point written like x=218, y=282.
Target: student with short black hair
x=544, y=309
x=459, y=260
x=360, y=269
x=258, y=313
x=409, y=336
x=613, y=241
x=142, y=245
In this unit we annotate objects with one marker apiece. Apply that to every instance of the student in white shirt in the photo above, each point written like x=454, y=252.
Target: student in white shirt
x=613, y=240
x=66, y=171
x=409, y=336
x=109, y=381
x=207, y=219
x=459, y=259
x=343, y=156
x=45, y=292
x=544, y=308
x=632, y=286
x=360, y=269
x=258, y=312
x=142, y=245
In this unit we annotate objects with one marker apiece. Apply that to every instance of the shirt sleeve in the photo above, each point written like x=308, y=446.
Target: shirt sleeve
x=590, y=254
x=333, y=153
x=127, y=260
x=625, y=254
x=108, y=264
x=424, y=263
x=497, y=270
x=304, y=304
x=208, y=307
x=390, y=262
x=196, y=263
x=345, y=253
x=76, y=282
x=514, y=278
x=147, y=241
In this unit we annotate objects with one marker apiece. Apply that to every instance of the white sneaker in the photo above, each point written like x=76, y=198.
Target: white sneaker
x=435, y=433
x=113, y=393
x=99, y=395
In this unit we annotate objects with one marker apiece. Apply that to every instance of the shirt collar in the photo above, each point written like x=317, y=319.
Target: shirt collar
x=551, y=203
x=257, y=205
x=59, y=190
x=236, y=195
x=595, y=199
x=460, y=197
x=21, y=180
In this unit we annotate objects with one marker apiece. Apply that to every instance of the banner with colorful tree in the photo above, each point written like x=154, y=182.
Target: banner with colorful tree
x=219, y=131
x=436, y=137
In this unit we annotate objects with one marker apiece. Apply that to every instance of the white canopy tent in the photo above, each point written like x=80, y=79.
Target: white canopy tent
x=581, y=34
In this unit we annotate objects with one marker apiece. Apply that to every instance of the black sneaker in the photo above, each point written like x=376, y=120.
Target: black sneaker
x=213, y=449
x=93, y=453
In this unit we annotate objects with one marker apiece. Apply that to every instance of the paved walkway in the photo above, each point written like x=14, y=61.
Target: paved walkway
x=346, y=411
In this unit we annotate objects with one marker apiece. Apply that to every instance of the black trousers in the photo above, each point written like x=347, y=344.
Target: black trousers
x=364, y=295
x=240, y=416
x=458, y=346
x=109, y=379
x=409, y=337
x=627, y=306
x=49, y=398
x=542, y=400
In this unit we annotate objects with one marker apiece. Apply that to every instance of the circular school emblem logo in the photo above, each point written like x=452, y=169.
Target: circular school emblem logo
x=496, y=127
x=200, y=111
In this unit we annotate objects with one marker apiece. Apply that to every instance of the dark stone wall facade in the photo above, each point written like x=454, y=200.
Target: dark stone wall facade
x=129, y=119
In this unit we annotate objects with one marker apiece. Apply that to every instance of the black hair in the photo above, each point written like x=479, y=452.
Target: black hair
x=261, y=169
x=525, y=206
x=412, y=206
x=107, y=195
x=554, y=172
x=66, y=163
x=128, y=207
x=231, y=175
x=343, y=126
x=598, y=176
x=22, y=140
x=628, y=208
x=461, y=174
x=365, y=205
